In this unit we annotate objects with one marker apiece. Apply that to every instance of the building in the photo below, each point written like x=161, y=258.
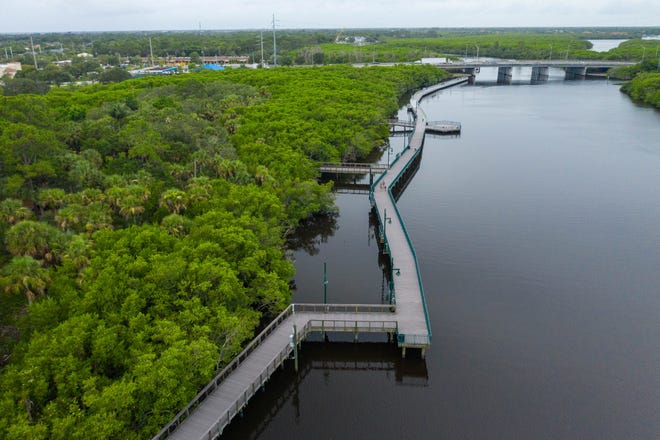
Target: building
x=9, y=69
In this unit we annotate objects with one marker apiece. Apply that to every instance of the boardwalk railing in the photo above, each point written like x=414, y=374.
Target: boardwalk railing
x=349, y=167
x=344, y=308
x=211, y=386
x=250, y=391
x=407, y=338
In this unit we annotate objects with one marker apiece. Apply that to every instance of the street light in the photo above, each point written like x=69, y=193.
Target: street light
x=550, y=57
x=477, y=52
x=325, y=283
x=386, y=220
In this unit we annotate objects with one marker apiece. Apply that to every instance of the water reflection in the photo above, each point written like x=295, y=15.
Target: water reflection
x=313, y=232
x=322, y=363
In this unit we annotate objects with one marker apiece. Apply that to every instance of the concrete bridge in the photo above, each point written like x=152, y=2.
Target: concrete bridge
x=575, y=69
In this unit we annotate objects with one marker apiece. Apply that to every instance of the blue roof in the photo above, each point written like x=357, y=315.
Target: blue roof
x=213, y=67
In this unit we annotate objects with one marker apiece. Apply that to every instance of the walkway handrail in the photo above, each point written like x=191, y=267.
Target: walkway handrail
x=357, y=165
x=414, y=254
x=329, y=325
x=458, y=124
x=213, y=384
x=344, y=308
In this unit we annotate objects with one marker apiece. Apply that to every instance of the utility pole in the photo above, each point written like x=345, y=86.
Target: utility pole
x=151, y=51
x=262, y=48
x=34, y=56
x=274, y=44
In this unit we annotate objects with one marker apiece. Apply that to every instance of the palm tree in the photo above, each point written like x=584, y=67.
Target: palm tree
x=174, y=200
x=34, y=239
x=24, y=275
x=13, y=211
x=51, y=198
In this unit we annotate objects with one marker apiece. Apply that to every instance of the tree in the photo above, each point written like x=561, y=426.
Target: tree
x=114, y=75
x=50, y=198
x=175, y=200
x=195, y=58
x=12, y=211
x=19, y=86
x=24, y=275
x=35, y=239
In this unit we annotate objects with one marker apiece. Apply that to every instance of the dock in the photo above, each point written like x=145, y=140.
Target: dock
x=405, y=320
x=433, y=127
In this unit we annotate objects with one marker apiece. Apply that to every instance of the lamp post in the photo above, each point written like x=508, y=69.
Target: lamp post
x=386, y=220
x=550, y=57
x=477, y=52
x=325, y=283
x=643, y=53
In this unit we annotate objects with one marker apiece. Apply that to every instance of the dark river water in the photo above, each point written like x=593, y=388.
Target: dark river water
x=538, y=235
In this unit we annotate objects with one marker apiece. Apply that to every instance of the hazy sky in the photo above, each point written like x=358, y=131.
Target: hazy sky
x=95, y=15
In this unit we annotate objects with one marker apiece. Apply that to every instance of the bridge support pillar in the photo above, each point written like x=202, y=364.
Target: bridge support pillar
x=539, y=74
x=575, y=73
x=504, y=75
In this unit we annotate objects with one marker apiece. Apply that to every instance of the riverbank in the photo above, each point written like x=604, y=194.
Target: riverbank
x=644, y=89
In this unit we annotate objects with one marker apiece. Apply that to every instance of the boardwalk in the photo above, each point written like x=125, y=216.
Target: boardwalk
x=224, y=397
x=214, y=407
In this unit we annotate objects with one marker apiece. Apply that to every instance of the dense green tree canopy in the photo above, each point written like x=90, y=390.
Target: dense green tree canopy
x=143, y=226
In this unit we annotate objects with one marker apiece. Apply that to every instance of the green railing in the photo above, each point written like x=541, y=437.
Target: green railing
x=403, y=338
x=412, y=250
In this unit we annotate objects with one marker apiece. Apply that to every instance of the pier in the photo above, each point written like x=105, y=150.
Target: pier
x=405, y=320
x=433, y=127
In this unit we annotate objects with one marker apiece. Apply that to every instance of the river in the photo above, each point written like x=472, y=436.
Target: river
x=538, y=235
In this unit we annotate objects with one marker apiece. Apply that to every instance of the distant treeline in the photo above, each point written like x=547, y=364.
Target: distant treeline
x=311, y=46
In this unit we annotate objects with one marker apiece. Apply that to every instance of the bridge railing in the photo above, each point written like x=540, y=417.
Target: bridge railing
x=217, y=380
